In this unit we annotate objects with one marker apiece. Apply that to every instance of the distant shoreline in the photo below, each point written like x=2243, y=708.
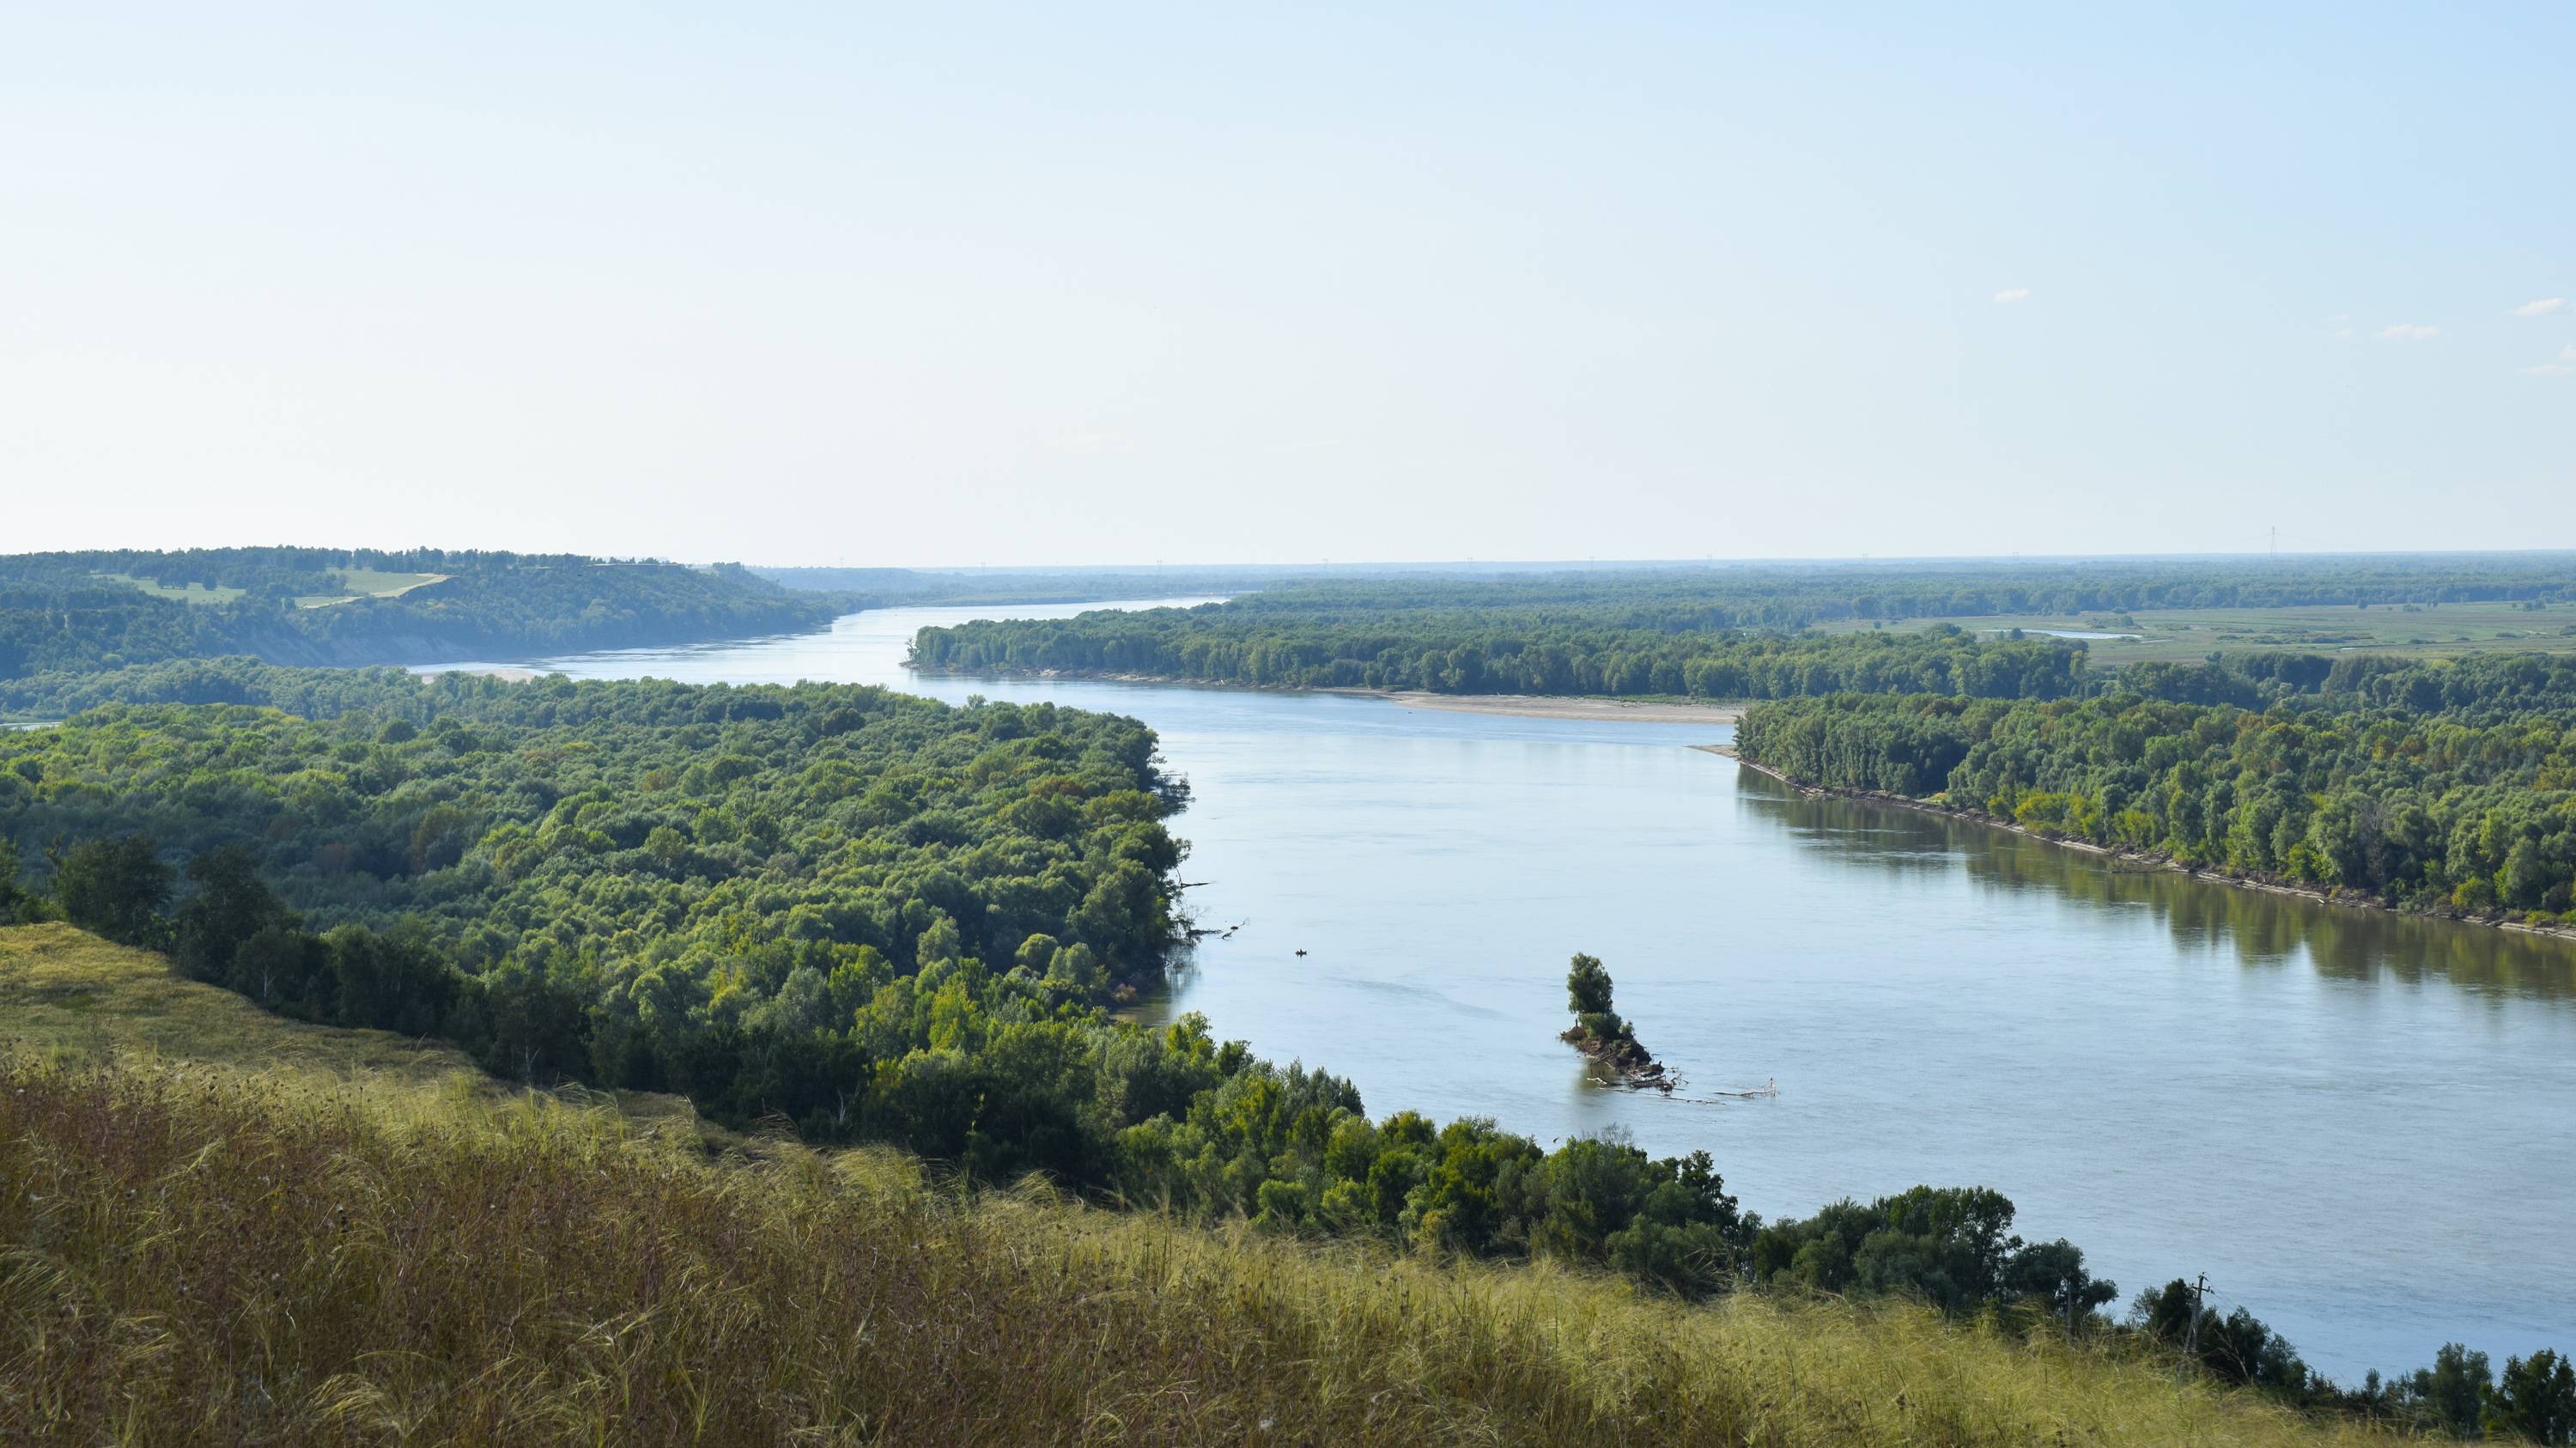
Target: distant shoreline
x=2267, y=884
x=506, y=673
x=1522, y=706
x=1561, y=706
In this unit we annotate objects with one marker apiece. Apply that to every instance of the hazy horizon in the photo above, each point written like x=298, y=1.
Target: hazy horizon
x=1295, y=567
x=1017, y=286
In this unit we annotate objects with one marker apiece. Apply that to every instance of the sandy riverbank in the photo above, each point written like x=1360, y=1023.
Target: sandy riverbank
x=1521, y=706
x=506, y=673
x=1536, y=706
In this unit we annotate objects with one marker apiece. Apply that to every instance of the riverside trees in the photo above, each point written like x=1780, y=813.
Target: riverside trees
x=1472, y=651
x=2472, y=809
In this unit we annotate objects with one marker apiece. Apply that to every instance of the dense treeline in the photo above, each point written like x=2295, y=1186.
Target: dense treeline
x=1779, y=595
x=1720, y=632
x=2478, y=685
x=2474, y=812
x=717, y=811
x=1692, y=597
x=79, y=612
x=1481, y=653
x=309, y=693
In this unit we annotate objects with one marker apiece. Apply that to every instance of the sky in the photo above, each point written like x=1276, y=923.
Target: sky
x=965, y=284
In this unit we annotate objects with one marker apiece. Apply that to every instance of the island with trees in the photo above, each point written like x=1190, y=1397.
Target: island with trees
x=1606, y=1040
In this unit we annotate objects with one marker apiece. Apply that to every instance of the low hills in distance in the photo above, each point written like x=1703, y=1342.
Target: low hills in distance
x=79, y=612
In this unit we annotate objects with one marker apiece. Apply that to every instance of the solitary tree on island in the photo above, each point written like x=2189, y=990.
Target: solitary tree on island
x=1599, y=1033
x=1587, y=993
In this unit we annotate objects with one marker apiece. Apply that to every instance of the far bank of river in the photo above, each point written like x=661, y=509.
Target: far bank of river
x=1595, y=707
x=1543, y=706
x=2143, y=859
x=2361, y=1125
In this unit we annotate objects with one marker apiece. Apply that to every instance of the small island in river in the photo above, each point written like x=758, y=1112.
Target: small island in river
x=1605, y=1039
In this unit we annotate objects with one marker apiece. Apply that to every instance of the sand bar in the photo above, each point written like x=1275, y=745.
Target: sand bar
x=1548, y=706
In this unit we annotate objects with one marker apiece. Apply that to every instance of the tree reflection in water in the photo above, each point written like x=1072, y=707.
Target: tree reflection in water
x=2260, y=927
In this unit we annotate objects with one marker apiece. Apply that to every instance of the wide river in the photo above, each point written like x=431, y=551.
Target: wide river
x=2360, y=1127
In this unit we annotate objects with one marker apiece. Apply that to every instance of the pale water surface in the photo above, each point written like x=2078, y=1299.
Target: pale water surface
x=2360, y=1127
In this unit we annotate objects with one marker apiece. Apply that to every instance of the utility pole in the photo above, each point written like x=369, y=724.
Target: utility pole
x=2191, y=1334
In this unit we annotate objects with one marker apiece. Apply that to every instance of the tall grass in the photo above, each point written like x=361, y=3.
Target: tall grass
x=229, y=1253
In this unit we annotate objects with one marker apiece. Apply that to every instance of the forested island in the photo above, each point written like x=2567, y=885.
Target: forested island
x=1604, y=1038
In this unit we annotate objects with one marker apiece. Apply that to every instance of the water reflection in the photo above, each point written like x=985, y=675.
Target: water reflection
x=2259, y=927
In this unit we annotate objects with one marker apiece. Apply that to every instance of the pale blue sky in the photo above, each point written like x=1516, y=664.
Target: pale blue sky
x=961, y=284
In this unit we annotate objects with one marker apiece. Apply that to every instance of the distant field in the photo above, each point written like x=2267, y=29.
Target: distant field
x=187, y=593
x=2189, y=635
x=354, y=583
x=369, y=583
x=376, y=584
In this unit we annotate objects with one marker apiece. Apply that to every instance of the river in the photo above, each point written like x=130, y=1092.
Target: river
x=2362, y=1128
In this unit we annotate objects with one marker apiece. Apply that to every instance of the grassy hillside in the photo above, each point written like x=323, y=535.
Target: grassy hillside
x=216, y=1226
x=68, y=995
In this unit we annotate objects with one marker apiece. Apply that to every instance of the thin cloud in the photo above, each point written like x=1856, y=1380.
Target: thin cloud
x=2565, y=364
x=2409, y=332
x=2013, y=294
x=2541, y=308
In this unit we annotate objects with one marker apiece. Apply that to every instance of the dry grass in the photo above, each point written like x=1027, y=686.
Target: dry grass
x=65, y=992
x=218, y=1252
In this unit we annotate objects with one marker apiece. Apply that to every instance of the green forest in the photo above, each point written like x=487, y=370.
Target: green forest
x=2447, y=786
x=1485, y=652
x=1724, y=633
x=80, y=612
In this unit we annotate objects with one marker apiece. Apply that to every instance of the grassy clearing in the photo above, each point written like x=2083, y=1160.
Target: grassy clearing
x=198, y=593
x=2189, y=635
x=357, y=583
x=335, y=1250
